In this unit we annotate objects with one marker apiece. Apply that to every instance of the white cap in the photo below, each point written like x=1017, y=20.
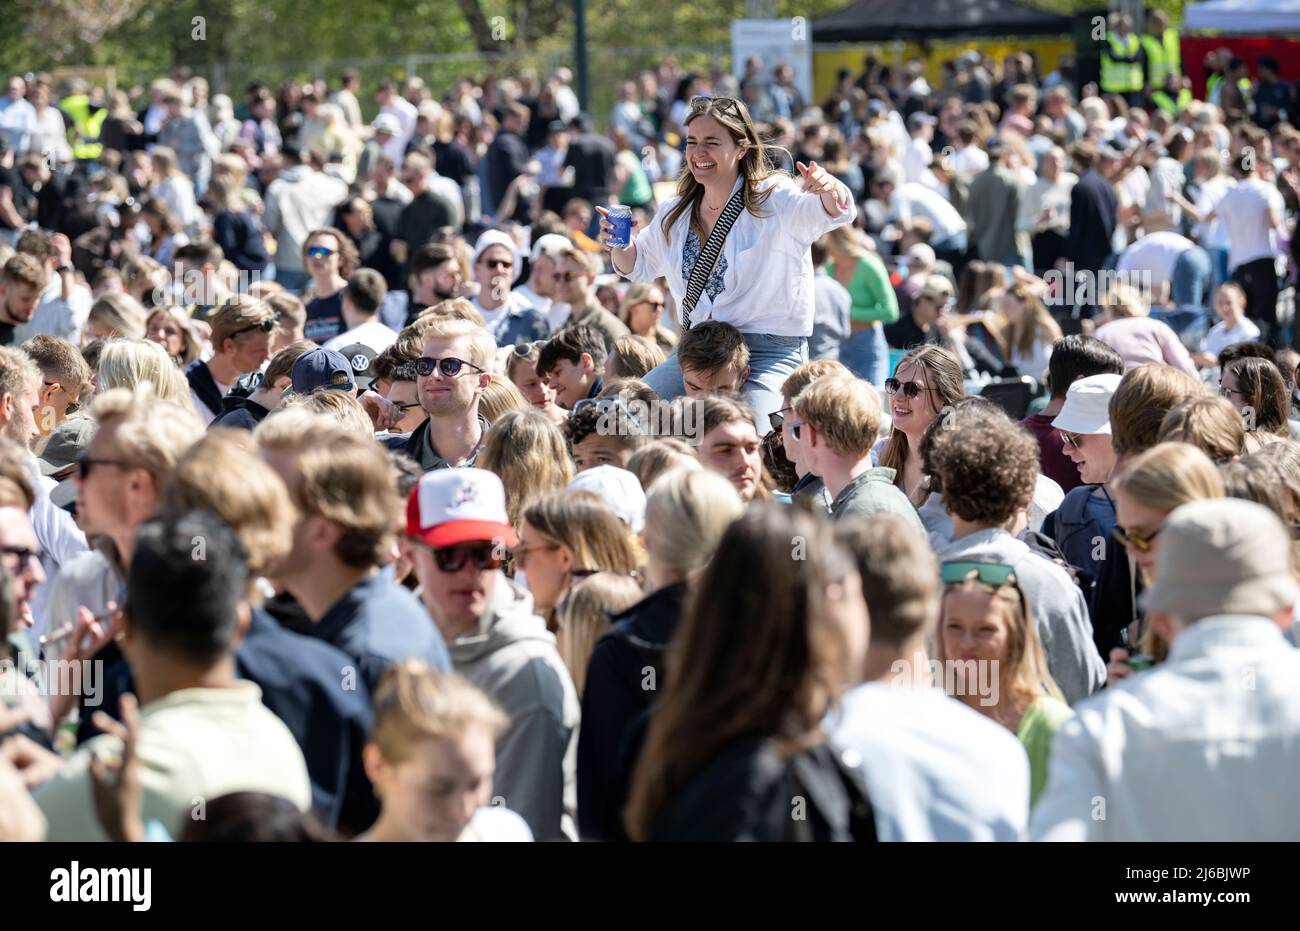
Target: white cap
x=618, y=488
x=1087, y=405
x=921, y=254
x=1047, y=498
x=386, y=123
x=550, y=244
x=498, y=238
x=450, y=506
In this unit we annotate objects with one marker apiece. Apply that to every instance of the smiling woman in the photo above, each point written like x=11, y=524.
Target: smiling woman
x=733, y=246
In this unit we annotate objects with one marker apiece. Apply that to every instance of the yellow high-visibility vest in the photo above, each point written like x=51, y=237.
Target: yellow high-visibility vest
x=1120, y=77
x=87, y=125
x=1171, y=106
x=1164, y=57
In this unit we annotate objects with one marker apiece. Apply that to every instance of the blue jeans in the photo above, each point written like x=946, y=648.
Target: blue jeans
x=867, y=355
x=1190, y=283
x=771, y=361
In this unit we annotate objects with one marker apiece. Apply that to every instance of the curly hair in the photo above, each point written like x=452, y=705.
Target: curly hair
x=987, y=466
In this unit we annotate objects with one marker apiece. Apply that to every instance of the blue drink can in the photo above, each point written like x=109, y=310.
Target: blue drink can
x=621, y=219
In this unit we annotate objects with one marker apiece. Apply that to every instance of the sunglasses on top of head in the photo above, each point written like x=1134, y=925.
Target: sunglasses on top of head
x=449, y=366
x=717, y=103
x=266, y=326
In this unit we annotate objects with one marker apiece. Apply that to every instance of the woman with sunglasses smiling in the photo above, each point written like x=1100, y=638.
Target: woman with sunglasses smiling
x=762, y=281
x=992, y=659
x=642, y=310
x=1147, y=489
x=925, y=381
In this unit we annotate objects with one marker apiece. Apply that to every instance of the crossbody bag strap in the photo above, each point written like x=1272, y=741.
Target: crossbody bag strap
x=708, y=256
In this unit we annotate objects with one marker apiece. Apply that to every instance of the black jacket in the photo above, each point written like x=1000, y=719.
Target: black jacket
x=624, y=674
x=239, y=413
x=749, y=792
x=204, y=385
x=1094, y=211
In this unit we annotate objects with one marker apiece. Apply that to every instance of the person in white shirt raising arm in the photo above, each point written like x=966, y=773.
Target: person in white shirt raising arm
x=762, y=282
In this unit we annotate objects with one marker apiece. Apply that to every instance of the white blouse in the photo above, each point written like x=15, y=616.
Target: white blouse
x=763, y=281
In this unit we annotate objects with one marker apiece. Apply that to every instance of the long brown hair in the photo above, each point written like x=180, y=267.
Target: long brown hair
x=1035, y=323
x=947, y=387
x=757, y=655
x=734, y=117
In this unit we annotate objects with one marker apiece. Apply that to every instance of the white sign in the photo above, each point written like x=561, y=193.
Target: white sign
x=775, y=42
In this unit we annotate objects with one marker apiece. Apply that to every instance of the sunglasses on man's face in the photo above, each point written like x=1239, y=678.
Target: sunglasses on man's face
x=1139, y=541
x=1071, y=439
x=777, y=418
x=910, y=389
x=86, y=463
x=449, y=366
x=319, y=252
x=989, y=573
x=484, y=556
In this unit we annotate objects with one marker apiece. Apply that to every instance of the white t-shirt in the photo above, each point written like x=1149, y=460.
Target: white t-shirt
x=206, y=415
x=372, y=334
x=935, y=769
x=913, y=200
x=493, y=824
x=916, y=159
x=1245, y=211
x=763, y=281
x=969, y=161
x=1222, y=336
x=1156, y=253
x=1213, y=235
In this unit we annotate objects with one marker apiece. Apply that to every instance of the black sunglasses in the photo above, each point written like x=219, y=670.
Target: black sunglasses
x=22, y=553
x=85, y=464
x=266, y=326
x=777, y=418
x=407, y=406
x=449, y=366
x=455, y=558
x=910, y=389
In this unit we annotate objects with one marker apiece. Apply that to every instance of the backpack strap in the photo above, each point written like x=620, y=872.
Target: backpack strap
x=708, y=256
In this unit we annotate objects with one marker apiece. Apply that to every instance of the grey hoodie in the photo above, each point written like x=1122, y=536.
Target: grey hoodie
x=1059, y=609
x=512, y=656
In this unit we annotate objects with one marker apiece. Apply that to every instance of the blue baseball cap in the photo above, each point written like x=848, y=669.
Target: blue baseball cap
x=321, y=368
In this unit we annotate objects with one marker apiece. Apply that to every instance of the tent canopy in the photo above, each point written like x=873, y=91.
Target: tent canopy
x=1240, y=16
x=913, y=20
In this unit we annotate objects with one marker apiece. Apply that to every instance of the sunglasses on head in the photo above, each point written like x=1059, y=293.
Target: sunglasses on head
x=702, y=103
x=990, y=573
x=449, y=366
x=266, y=326
x=319, y=252
x=1139, y=541
x=524, y=350
x=910, y=389
x=483, y=555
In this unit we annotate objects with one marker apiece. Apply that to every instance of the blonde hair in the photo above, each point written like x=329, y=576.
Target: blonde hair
x=234, y=314
x=584, y=524
x=686, y=514
x=584, y=612
x=845, y=241
x=1125, y=301
x=151, y=433
x=343, y=477
x=120, y=313
x=126, y=363
x=1168, y=476
x=499, y=398
x=844, y=409
x=413, y=703
x=456, y=308
x=1036, y=323
x=1211, y=424
x=223, y=474
x=528, y=453
x=1023, y=674
x=664, y=454
x=339, y=406
x=482, y=347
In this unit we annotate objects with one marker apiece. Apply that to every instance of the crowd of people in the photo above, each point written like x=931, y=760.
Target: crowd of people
x=892, y=479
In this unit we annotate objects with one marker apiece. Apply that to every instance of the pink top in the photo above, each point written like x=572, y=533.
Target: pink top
x=1143, y=341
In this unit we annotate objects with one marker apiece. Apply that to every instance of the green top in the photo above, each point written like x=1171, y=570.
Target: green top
x=873, y=296
x=1037, y=728
x=874, y=492
x=636, y=190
